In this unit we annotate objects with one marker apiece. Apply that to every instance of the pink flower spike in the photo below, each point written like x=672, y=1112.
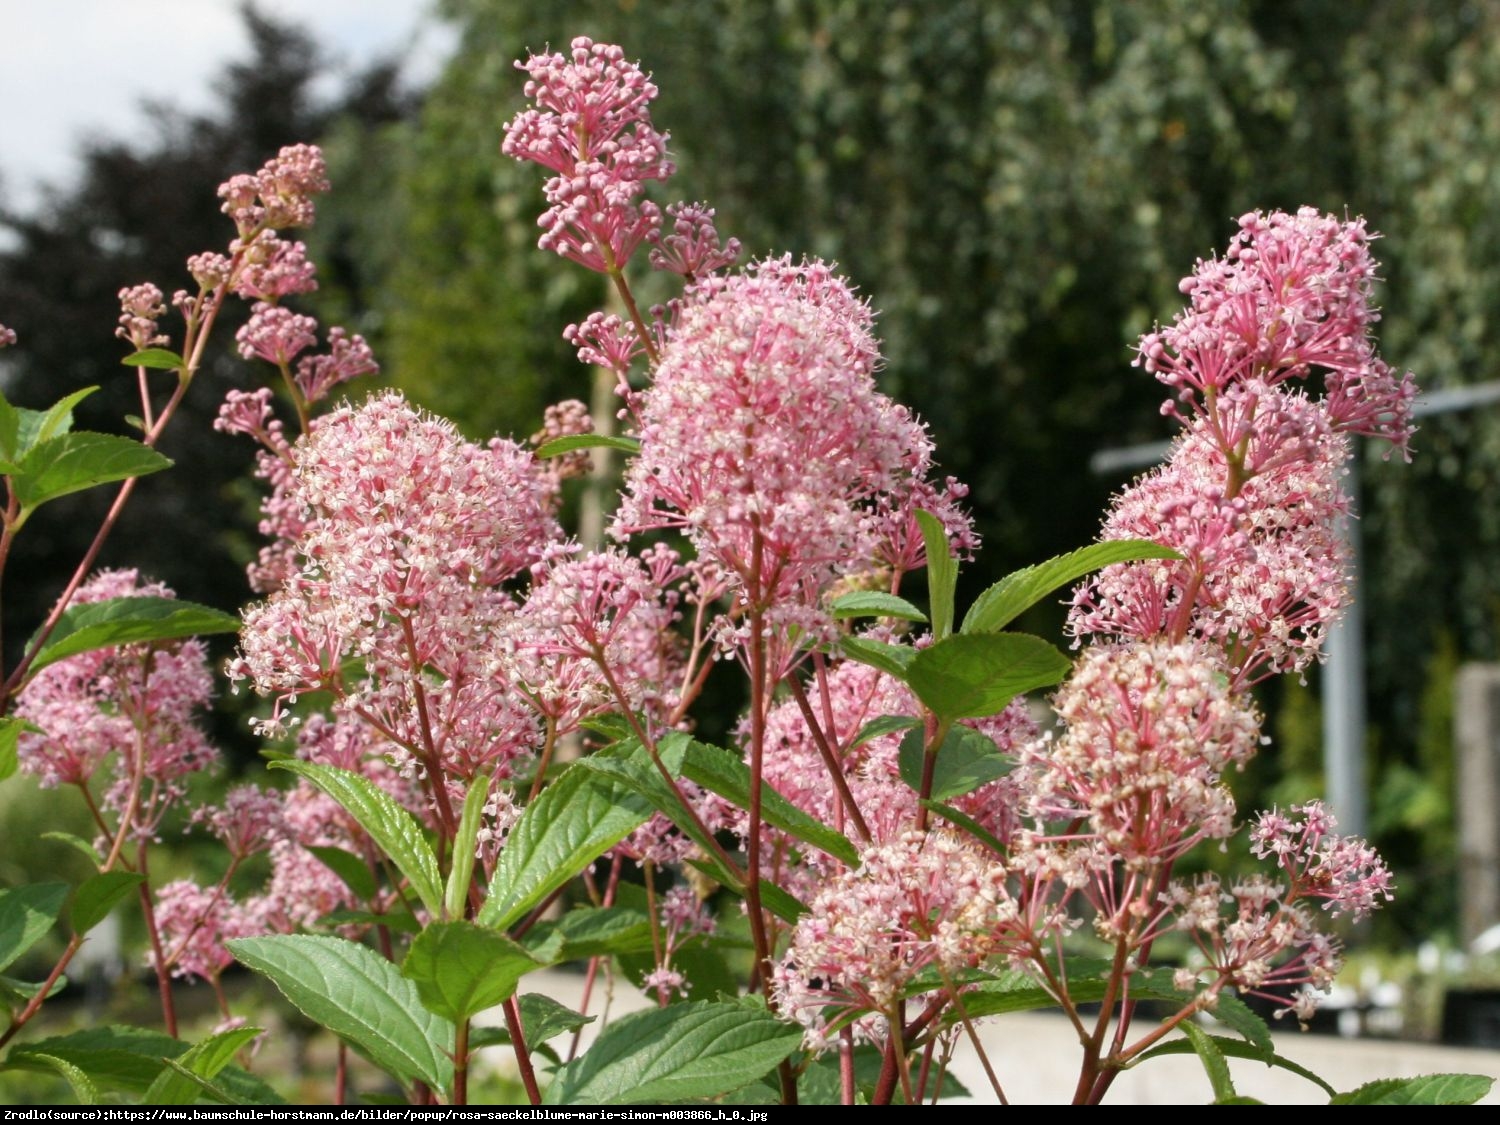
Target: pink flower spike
x=349, y=357
x=692, y=249
x=1343, y=870
x=276, y=335
x=141, y=307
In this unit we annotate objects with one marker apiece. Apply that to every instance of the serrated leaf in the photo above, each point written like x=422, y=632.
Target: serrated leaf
x=399, y=922
x=893, y=660
x=183, y=1080
x=97, y=895
x=10, y=426
x=1234, y=1049
x=1014, y=594
x=83, y=1089
x=36, y=426
x=574, y=442
x=590, y=931
x=1214, y=1063
x=543, y=1018
x=965, y=761
x=696, y=1050
x=970, y=676
x=571, y=823
x=136, y=620
x=159, y=358
x=352, y=871
x=465, y=846
x=718, y=770
x=130, y=1058
x=395, y=831
x=886, y=724
x=76, y=461
x=942, y=573
x=1238, y=1016
x=461, y=969
x=26, y=914
x=1428, y=1089
x=360, y=997
x=11, y=729
x=874, y=603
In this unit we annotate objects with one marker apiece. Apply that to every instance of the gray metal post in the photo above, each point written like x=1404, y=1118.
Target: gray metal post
x=1344, y=688
x=1476, y=704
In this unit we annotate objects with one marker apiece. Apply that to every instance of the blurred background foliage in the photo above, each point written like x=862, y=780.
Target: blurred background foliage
x=1016, y=186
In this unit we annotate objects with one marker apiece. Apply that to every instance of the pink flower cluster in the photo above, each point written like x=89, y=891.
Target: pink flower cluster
x=279, y=195
x=137, y=704
x=764, y=437
x=593, y=129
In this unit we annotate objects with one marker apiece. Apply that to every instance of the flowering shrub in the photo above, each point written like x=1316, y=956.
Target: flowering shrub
x=487, y=763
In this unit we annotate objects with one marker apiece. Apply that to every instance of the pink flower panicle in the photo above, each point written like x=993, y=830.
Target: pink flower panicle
x=592, y=127
x=250, y=413
x=605, y=340
x=249, y=821
x=1148, y=730
x=1263, y=574
x=692, y=249
x=124, y=701
x=274, y=270
x=349, y=357
x=1343, y=870
x=276, y=335
x=765, y=439
x=1292, y=293
x=7, y=337
x=923, y=900
x=280, y=194
x=193, y=924
x=140, y=308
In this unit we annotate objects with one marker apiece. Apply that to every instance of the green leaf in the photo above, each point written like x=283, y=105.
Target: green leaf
x=465, y=845
x=1214, y=1063
x=1238, y=1016
x=590, y=931
x=967, y=823
x=181, y=1080
x=10, y=427
x=1428, y=1089
x=574, y=442
x=942, y=573
x=77, y=842
x=543, y=1018
x=1014, y=594
x=965, y=761
x=352, y=871
x=398, y=922
x=874, y=603
x=97, y=895
x=16, y=993
x=718, y=770
x=199, y=1085
x=121, y=621
x=76, y=461
x=36, y=426
x=26, y=914
x=11, y=729
x=973, y=675
x=360, y=997
x=893, y=660
x=886, y=724
x=130, y=1058
x=159, y=358
x=697, y=1050
x=394, y=830
x=571, y=823
x=83, y=1089
x=1234, y=1049
x=461, y=969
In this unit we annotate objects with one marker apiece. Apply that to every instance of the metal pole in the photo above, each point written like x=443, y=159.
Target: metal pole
x=1344, y=687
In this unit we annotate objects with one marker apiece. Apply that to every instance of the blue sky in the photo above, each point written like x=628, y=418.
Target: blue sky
x=74, y=68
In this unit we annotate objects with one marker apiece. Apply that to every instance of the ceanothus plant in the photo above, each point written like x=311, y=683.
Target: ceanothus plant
x=484, y=732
